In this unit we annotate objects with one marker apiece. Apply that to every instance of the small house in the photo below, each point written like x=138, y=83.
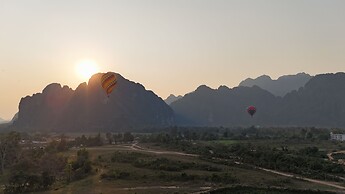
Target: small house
x=337, y=137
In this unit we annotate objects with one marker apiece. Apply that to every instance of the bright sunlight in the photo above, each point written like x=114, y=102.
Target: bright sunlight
x=86, y=69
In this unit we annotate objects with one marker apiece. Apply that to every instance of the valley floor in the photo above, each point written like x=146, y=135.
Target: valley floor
x=150, y=180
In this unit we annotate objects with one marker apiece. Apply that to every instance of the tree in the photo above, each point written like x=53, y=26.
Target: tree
x=82, y=166
x=173, y=132
x=309, y=135
x=35, y=170
x=52, y=164
x=187, y=135
x=128, y=137
x=9, y=147
x=62, y=145
x=117, y=137
x=303, y=133
x=109, y=137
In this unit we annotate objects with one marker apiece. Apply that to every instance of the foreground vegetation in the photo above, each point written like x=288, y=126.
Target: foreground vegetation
x=156, y=163
x=300, y=151
x=253, y=190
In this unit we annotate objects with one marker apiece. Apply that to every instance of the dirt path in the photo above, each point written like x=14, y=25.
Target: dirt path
x=303, y=178
x=330, y=157
x=203, y=189
x=135, y=147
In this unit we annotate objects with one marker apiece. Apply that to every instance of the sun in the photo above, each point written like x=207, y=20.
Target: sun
x=85, y=69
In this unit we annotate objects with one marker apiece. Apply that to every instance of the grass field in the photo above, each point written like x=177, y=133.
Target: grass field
x=227, y=142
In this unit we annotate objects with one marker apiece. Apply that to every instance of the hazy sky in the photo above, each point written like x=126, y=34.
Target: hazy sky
x=168, y=46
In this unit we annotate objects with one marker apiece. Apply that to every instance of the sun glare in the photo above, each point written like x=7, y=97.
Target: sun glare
x=86, y=69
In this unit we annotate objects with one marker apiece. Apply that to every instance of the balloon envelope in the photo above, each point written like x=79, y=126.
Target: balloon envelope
x=108, y=82
x=251, y=110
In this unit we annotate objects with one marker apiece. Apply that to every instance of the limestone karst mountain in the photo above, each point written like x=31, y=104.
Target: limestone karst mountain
x=58, y=108
x=321, y=102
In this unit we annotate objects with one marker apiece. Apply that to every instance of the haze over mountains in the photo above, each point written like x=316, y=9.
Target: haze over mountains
x=172, y=98
x=3, y=121
x=280, y=86
x=321, y=103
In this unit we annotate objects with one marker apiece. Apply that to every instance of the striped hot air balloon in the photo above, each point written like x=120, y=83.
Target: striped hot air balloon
x=108, y=82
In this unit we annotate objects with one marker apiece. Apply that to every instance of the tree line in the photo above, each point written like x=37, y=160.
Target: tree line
x=26, y=168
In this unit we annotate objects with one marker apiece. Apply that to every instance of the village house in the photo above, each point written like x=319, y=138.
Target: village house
x=337, y=137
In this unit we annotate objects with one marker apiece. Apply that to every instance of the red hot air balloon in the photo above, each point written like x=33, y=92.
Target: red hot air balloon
x=251, y=110
x=108, y=82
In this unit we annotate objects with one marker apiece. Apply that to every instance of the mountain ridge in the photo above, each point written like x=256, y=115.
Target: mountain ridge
x=321, y=102
x=281, y=86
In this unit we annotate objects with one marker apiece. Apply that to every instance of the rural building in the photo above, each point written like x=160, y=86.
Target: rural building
x=337, y=137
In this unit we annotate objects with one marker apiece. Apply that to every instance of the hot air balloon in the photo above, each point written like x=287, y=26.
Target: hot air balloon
x=251, y=110
x=108, y=82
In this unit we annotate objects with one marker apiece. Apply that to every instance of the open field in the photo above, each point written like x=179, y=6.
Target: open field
x=125, y=174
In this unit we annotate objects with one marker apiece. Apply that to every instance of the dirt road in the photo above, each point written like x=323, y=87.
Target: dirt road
x=138, y=148
x=330, y=157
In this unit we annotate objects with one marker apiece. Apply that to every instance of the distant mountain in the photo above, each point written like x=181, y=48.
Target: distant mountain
x=3, y=121
x=222, y=106
x=59, y=108
x=281, y=86
x=172, y=98
x=14, y=118
x=321, y=103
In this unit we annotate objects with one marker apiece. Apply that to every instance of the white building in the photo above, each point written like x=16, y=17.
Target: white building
x=337, y=137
